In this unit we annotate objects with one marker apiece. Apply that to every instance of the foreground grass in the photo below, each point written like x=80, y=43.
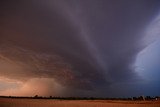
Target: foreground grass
x=12, y=102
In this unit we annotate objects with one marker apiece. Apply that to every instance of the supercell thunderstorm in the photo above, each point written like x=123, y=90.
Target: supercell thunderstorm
x=75, y=48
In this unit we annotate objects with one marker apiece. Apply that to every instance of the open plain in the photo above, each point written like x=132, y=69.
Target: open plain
x=14, y=102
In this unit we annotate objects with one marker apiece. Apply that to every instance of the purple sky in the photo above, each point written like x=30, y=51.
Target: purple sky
x=104, y=48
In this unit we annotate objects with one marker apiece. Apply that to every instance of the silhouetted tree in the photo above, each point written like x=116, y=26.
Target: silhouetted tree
x=36, y=96
x=148, y=98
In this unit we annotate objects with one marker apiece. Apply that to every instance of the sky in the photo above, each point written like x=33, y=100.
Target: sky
x=84, y=48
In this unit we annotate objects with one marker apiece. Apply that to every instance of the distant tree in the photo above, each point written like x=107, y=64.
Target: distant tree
x=36, y=96
x=135, y=98
x=141, y=98
x=148, y=98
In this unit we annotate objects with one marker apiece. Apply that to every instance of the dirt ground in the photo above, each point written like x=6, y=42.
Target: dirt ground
x=11, y=102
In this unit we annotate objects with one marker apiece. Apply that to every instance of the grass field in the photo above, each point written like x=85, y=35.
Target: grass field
x=11, y=102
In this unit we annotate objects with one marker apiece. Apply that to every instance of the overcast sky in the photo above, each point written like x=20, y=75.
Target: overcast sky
x=99, y=48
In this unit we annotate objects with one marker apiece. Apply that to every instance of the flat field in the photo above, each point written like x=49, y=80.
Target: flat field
x=14, y=102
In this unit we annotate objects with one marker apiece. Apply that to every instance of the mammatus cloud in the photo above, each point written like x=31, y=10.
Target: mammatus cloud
x=87, y=47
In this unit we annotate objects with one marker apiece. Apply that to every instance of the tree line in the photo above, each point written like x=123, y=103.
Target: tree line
x=86, y=98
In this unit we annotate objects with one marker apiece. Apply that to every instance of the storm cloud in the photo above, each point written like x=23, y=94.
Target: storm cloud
x=86, y=46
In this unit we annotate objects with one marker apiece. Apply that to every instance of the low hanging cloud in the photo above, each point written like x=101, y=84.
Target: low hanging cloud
x=86, y=46
x=21, y=64
x=34, y=86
